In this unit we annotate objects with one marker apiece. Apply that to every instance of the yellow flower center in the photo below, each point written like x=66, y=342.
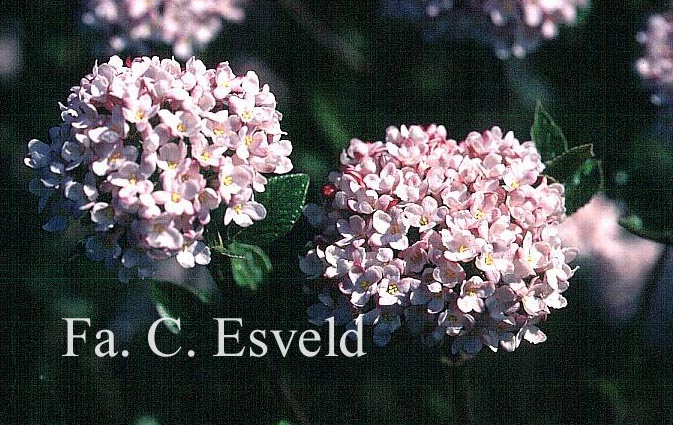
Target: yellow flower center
x=175, y=197
x=224, y=84
x=394, y=229
x=140, y=115
x=246, y=115
x=463, y=249
x=205, y=156
x=158, y=228
x=247, y=140
x=172, y=165
x=424, y=221
x=393, y=289
x=218, y=131
x=529, y=258
x=478, y=215
x=181, y=127
x=227, y=180
x=238, y=209
x=133, y=179
x=365, y=284
x=515, y=184
x=114, y=157
x=488, y=260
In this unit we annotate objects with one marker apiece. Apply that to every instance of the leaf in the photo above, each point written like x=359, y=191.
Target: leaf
x=330, y=119
x=284, y=200
x=583, y=185
x=548, y=137
x=563, y=167
x=576, y=168
x=635, y=225
x=174, y=302
x=250, y=266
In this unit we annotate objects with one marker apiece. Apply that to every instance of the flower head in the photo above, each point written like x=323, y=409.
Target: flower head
x=512, y=27
x=471, y=256
x=656, y=66
x=185, y=25
x=143, y=156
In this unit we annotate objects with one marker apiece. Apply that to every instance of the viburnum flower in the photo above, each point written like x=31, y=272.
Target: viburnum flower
x=143, y=157
x=656, y=66
x=184, y=25
x=471, y=256
x=513, y=27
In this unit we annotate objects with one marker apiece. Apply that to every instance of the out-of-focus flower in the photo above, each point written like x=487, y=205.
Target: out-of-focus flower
x=11, y=52
x=457, y=239
x=513, y=27
x=619, y=261
x=656, y=66
x=185, y=25
x=147, y=151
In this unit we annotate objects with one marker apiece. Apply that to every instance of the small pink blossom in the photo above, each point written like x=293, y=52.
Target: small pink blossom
x=243, y=211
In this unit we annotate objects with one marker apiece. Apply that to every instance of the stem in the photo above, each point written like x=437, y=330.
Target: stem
x=460, y=382
x=321, y=34
x=289, y=397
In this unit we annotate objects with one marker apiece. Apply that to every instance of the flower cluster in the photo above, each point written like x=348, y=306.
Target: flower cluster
x=147, y=150
x=513, y=27
x=656, y=67
x=459, y=240
x=179, y=23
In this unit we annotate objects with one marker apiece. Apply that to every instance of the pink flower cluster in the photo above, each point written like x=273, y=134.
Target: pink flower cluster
x=459, y=240
x=513, y=27
x=179, y=23
x=146, y=151
x=656, y=67
x=523, y=23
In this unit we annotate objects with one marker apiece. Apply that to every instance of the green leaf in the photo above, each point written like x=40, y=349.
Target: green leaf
x=250, y=266
x=330, y=119
x=174, y=302
x=548, y=137
x=635, y=225
x=583, y=185
x=576, y=168
x=146, y=420
x=563, y=167
x=283, y=199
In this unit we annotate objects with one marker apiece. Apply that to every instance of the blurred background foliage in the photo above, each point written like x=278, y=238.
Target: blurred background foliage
x=339, y=70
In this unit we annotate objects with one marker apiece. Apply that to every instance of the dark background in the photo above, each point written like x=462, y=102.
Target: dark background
x=339, y=70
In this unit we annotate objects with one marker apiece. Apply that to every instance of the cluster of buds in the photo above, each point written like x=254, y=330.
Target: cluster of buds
x=184, y=25
x=457, y=239
x=147, y=150
x=656, y=67
x=513, y=27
